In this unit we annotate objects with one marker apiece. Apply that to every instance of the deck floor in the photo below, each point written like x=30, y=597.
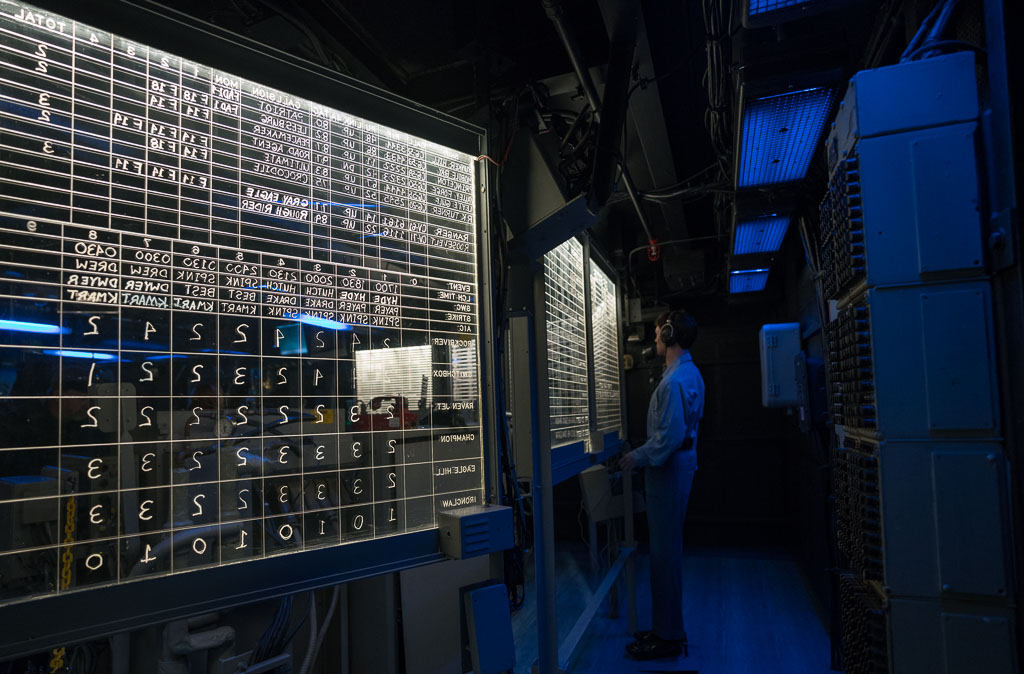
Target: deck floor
x=747, y=611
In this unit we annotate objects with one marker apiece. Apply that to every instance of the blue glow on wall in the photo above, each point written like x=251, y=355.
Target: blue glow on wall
x=747, y=280
x=292, y=340
x=91, y=355
x=780, y=134
x=761, y=235
x=38, y=328
x=764, y=6
x=321, y=322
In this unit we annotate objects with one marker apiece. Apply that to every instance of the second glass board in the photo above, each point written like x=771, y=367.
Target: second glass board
x=604, y=318
x=567, y=344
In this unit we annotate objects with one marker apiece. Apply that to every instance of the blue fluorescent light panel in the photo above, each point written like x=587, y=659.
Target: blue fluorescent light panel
x=780, y=134
x=761, y=235
x=756, y=7
x=748, y=281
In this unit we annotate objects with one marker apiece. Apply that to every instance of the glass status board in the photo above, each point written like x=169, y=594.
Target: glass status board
x=234, y=323
x=566, y=324
x=604, y=320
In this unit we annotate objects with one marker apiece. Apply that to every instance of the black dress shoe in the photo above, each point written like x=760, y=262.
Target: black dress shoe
x=649, y=635
x=653, y=648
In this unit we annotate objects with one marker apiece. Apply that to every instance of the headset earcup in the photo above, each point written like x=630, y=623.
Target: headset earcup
x=668, y=334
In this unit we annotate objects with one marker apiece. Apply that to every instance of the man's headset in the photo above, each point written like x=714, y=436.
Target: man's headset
x=672, y=328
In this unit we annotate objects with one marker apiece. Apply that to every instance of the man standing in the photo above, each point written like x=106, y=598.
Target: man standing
x=669, y=459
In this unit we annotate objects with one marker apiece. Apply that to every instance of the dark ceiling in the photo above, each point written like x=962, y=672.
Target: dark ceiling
x=472, y=58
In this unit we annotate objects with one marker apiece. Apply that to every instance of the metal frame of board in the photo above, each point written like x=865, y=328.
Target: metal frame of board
x=37, y=624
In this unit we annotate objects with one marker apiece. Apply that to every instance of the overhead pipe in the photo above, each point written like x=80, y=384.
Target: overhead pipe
x=555, y=12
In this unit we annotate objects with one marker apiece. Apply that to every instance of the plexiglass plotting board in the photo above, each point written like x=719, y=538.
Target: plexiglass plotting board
x=233, y=323
x=568, y=388
x=604, y=320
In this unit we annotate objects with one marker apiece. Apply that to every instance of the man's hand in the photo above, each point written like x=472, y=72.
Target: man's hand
x=627, y=461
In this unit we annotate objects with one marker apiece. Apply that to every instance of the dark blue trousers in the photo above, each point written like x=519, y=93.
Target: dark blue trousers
x=667, y=493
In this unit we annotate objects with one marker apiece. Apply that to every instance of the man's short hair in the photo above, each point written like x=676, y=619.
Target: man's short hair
x=684, y=327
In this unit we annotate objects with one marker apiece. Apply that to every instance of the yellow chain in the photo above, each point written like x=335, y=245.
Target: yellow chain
x=69, y=537
x=57, y=662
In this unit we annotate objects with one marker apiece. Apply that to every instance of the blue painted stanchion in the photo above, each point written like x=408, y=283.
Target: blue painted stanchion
x=543, y=525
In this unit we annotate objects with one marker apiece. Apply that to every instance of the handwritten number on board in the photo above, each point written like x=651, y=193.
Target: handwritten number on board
x=94, y=421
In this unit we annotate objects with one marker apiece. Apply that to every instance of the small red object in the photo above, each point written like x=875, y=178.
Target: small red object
x=653, y=250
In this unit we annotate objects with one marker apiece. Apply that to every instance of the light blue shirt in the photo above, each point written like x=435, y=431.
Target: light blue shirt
x=674, y=413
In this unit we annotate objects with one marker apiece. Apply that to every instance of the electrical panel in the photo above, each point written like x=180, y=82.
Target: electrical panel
x=922, y=517
x=235, y=324
x=903, y=193
x=918, y=472
x=858, y=517
x=915, y=361
x=780, y=346
x=883, y=634
x=865, y=628
x=853, y=379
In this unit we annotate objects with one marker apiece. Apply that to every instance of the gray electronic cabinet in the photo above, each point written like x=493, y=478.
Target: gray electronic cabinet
x=919, y=471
